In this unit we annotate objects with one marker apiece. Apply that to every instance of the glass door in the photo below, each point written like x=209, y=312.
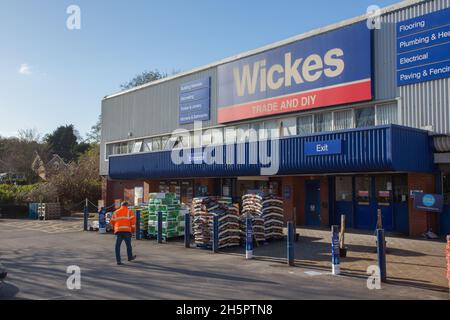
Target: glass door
x=365, y=204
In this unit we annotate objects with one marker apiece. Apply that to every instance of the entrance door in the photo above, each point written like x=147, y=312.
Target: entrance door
x=365, y=218
x=312, y=203
x=383, y=193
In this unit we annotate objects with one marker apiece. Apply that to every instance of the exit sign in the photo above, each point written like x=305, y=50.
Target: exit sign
x=322, y=148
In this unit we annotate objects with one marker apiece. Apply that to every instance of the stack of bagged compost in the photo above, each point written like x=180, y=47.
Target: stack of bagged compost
x=204, y=209
x=273, y=214
x=252, y=205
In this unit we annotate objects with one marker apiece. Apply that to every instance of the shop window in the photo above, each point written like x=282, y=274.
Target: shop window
x=387, y=114
x=289, y=127
x=305, y=125
x=363, y=187
x=137, y=146
x=323, y=122
x=446, y=188
x=365, y=117
x=401, y=188
x=343, y=120
x=344, y=189
x=383, y=189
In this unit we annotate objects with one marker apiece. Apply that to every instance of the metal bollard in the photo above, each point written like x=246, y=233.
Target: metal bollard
x=248, y=238
x=335, y=254
x=290, y=244
x=102, y=221
x=160, y=227
x=215, y=246
x=187, y=230
x=138, y=225
x=381, y=253
x=85, y=218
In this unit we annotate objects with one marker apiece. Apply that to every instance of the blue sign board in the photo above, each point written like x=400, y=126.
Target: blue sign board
x=328, y=69
x=195, y=101
x=423, y=48
x=428, y=202
x=321, y=148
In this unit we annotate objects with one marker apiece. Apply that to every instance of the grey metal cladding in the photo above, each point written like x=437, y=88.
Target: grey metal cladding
x=154, y=109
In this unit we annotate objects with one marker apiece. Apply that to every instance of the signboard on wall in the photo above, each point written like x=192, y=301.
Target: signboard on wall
x=195, y=101
x=423, y=48
x=322, y=148
x=325, y=70
x=428, y=202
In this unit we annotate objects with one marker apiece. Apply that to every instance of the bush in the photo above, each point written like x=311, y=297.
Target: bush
x=12, y=194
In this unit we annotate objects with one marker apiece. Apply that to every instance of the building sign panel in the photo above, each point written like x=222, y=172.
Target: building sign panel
x=423, y=48
x=322, y=148
x=428, y=202
x=195, y=101
x=325, y=70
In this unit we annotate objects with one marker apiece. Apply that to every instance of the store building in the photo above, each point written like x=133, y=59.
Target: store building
x=347, y=119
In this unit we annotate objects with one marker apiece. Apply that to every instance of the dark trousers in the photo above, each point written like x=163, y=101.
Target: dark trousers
x=123, y=236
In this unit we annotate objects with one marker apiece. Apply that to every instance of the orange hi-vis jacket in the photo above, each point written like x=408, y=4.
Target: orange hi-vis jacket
x=123, y=220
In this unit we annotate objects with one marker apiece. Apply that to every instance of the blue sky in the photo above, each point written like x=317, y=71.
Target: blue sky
x=51, y=76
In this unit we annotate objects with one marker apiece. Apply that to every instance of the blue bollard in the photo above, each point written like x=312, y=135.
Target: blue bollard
x=290, y=244
x=160, y=227
x=335, y=253
x=85, y=218
x=102, y=221
x=187, y=230
x=215, y=245
x=138, y=225
x=248, y=238
x=381, y=252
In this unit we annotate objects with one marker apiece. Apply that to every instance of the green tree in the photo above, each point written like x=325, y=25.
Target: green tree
x=64, y=142
x=143, y=78
x=93, y=136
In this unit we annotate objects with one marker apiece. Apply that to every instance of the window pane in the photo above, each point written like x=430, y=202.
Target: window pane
x=230, y=135
x=147, y=145
x=165, y=143
x=242, y=133
x=271, y=129
x=343, y=120
x=255, y=132
x=323, y=122
x=137, y=146
x=156, y=144
x=289, y=127
x=217, y=136
x=207, y=138
x=365, y=117
x=305, y=125
x=130, y=146
x=344, y=189
x=387, y=114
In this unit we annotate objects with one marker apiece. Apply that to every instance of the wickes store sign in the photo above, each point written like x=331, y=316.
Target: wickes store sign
x=329, y=69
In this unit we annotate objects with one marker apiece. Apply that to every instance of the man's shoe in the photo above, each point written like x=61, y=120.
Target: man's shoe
x=119, y=263
x=132, y=259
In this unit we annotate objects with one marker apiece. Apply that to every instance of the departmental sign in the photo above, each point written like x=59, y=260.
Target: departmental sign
x=423, y=48
x=328, y=69
x=195, y=101
x=320, y=148
x=428, y=202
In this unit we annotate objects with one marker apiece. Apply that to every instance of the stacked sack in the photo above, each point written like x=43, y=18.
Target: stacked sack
x=172, y=215
x=252, y=205
x=448, y=260
x=204, y=210
x=273, y=214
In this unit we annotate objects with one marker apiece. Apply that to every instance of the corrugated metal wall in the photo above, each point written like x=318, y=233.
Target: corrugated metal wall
x=384, y=148
x=154, y=110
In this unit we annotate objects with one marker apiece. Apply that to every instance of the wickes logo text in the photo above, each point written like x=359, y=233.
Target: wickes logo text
x=297, y=71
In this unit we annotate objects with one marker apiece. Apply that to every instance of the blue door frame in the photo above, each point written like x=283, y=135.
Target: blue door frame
x=312, y=203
